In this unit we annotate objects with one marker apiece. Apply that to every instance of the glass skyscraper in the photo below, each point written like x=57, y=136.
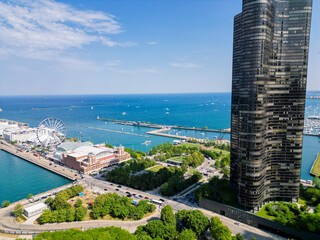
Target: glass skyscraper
x=270, y=61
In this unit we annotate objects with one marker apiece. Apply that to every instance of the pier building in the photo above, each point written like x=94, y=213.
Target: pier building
x=86, y=157
x=9, y=125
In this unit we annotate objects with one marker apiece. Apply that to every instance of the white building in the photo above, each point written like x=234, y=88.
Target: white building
x=34, y=209
x=20, y=135
x=6, y=125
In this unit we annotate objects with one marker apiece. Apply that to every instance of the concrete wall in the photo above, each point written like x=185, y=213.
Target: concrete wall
x=256, y=221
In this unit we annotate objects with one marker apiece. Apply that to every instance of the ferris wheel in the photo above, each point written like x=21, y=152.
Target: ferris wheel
x=51, y=132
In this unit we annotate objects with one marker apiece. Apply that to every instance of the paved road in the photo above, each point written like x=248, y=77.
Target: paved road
x=7, y=221
x=246, y=230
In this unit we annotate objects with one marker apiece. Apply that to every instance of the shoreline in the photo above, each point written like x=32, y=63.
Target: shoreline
x=40, y=161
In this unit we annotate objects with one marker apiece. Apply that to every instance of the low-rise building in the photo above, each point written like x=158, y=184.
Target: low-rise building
x=20, y=134
x=7, y=125
x=34, y=209
x=86, y=157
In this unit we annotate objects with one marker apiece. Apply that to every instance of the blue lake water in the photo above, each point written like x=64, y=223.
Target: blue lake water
x=200, y=110
x=18, y=178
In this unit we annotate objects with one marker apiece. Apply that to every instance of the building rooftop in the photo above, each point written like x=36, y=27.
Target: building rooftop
x=86, y=150
x=36, y=207
x=72, y=146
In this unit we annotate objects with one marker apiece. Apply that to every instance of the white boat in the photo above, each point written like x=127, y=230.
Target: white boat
x=202, y=134
x=0, y=109
x=167, y=109
x=167, y=113
x=98, y=117
x=124, y=113
x=91, y=108
x=146, y=142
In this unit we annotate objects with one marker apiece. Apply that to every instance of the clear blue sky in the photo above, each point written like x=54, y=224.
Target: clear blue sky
x=123, y=46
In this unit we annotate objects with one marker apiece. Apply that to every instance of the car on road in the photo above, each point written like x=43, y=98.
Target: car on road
x=146, y=197
x=127, y=192
x=140, y=196
x=161, y=199
x=111, y=184
x=117, y=189
x=236, y=223
x=106, y=189
x=119, y=186
x=129, y=195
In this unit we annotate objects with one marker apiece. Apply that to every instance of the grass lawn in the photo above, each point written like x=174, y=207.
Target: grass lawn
x=155, y=168
x=263, y=213
x=20, y=219
x=315, y=170
x=108, y=217
x=192, y=144
x=178, y=159
x=216, y=150
x=302, y=201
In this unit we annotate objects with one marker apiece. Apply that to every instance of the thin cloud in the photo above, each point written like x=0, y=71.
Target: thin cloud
x=137, y=71
x=46, y=25
x=113, y=63
x=185, y=65
x=152, y=43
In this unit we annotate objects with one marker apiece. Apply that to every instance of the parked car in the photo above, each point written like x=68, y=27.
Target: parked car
x=146, y=197
x=117, y=189
x=119, y=186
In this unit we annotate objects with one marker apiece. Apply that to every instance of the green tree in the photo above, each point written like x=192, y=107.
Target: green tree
x=18, y=210
x=184, y=168
x=238, y=236
x=60, y=202
x=5, y=204
x=78, y=203
x=218, y=230
x=49, y=201
x=187, y=234
x=30, y=195
x=194, y=220
x=80, y=213
x=45, y=217
x=70, y=214
x=167, y=216
x=316, y=181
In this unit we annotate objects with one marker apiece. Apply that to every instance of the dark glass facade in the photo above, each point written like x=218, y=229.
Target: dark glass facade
x=270, y=60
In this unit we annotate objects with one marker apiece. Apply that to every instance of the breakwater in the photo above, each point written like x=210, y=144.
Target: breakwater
x=40, y=161
x=108, y=130
x=153, y=125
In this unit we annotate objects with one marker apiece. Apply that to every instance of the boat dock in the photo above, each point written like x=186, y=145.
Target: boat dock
x=40, y=161
x=158, y=132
